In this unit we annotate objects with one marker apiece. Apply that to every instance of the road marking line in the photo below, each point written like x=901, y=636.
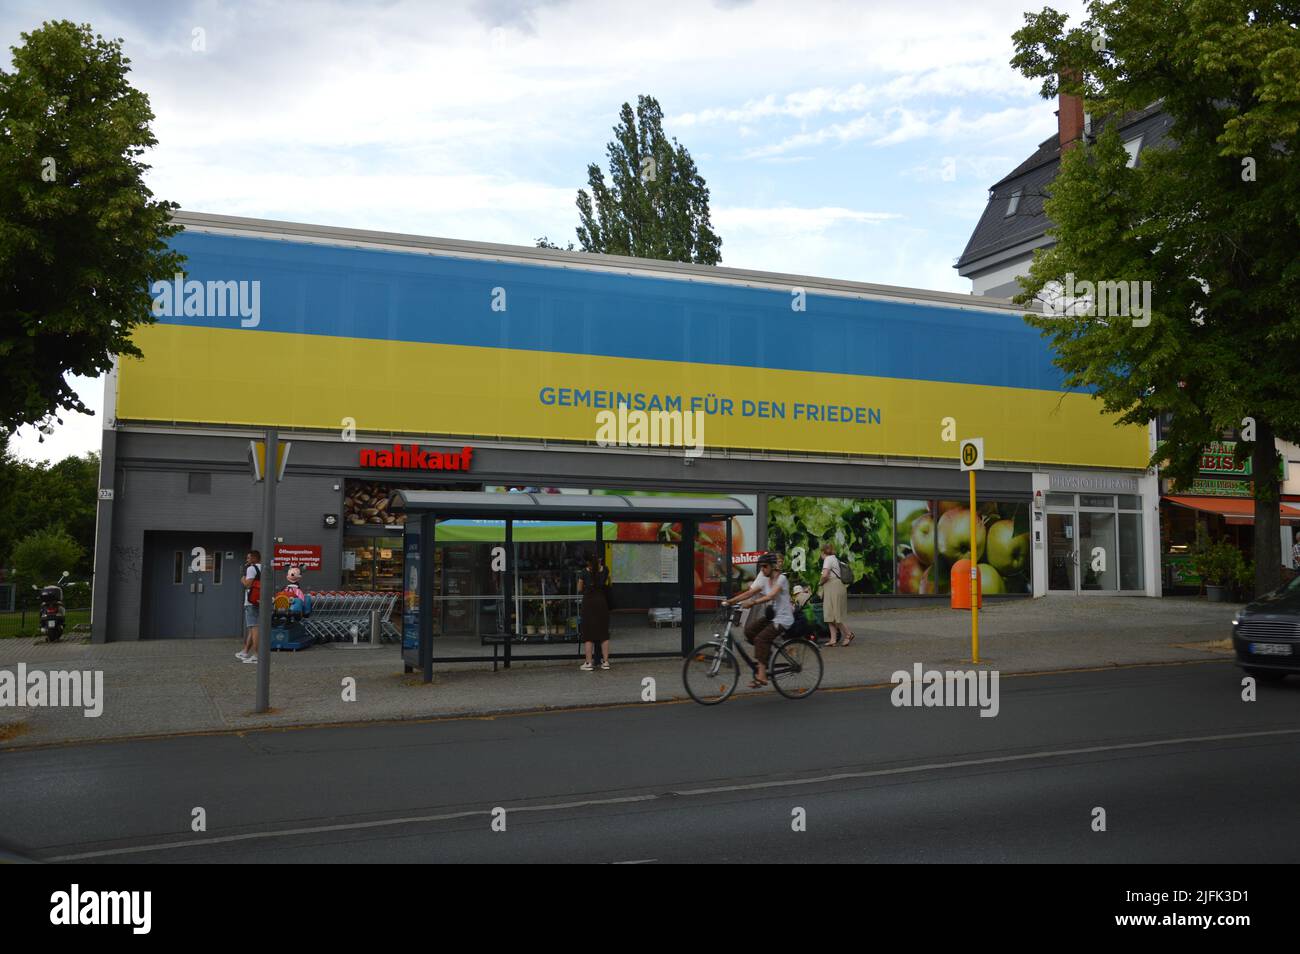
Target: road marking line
x=627, y=799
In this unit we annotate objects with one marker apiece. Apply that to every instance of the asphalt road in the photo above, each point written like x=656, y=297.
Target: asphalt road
x=1184, y=769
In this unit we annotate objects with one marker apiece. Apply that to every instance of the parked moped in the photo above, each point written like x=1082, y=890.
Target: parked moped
x=53, y=614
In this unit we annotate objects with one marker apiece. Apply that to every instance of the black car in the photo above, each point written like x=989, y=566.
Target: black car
x=1266, y=634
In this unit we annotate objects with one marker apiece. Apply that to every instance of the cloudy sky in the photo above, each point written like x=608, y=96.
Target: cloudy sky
x=845, y=139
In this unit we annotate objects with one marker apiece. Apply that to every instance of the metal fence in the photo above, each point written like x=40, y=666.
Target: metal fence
x=24, y=622
x=341, y=616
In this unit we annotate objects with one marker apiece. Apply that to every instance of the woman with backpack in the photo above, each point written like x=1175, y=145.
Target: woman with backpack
x=835, y=598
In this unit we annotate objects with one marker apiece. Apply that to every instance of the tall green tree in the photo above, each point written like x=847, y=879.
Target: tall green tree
x=40, y=558
x=1211, y=220
x=37, y=496
x=81, y=238
x=656, y=203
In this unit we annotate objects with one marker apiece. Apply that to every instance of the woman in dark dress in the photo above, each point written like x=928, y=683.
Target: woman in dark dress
x=594, y=587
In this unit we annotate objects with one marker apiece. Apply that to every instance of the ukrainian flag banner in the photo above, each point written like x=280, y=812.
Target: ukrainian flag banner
x=419, y=343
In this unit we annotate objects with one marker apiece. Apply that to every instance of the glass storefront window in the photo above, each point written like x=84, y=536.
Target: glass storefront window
x=388, y=563
x=932, y=535
x=468, y=583
x=1060, y=500
x=1104, y=501
x=914, y=553
x=861, y=529
x=1097, y=551
x=546, y=600
x=1130, y=502
x=1130, y=551
x=358, y=563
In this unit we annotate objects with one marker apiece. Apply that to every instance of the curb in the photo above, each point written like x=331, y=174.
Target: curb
x=489, y=715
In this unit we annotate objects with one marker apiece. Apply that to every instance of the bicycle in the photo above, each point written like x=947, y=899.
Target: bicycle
x=710, y=671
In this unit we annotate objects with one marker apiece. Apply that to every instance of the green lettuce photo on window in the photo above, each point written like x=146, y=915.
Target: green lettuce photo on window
x=860, y=528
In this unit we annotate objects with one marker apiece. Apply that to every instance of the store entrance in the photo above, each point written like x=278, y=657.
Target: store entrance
x=1094, y=543
x=1062, y=553
x=192, y=584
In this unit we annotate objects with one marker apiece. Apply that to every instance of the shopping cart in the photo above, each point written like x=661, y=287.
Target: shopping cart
x=339, y=616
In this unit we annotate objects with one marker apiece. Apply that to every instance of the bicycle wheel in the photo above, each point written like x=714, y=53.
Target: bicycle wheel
x=710, y=673
x=796, y=668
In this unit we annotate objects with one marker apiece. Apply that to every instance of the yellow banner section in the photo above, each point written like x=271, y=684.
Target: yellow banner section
x=219, y=376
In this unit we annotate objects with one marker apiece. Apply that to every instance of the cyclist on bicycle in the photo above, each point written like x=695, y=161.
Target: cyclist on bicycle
x=769, y=587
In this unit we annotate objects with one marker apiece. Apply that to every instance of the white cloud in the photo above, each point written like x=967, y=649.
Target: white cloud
x=900, y=125
x=475, y=119
x=794, y=221
x=78, y=434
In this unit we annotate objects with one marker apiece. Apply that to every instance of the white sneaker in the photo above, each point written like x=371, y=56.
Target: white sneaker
x=604, y=664
x=585, y=667
x=251, y=659
x=241, y=655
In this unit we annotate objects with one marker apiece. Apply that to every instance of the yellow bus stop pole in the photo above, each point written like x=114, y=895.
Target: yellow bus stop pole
x=974, y=579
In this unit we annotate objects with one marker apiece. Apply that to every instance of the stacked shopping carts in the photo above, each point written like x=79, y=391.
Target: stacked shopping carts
x=339, y=616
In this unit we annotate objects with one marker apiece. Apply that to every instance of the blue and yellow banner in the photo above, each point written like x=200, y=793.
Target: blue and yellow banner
x=419, y=343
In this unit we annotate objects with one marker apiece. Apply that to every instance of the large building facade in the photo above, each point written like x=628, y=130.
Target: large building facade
x=833, y=408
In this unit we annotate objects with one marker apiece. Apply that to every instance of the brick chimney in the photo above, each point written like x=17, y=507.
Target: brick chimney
x=1069, y=120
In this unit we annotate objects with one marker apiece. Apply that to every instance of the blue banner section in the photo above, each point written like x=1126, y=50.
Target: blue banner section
x=401, y=296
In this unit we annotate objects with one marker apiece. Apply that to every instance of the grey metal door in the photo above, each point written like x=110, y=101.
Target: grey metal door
x=193, y=584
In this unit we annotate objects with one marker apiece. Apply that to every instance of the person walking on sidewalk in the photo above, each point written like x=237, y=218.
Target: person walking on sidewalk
x=835, y=598
x=252, y=573
x=594, y=587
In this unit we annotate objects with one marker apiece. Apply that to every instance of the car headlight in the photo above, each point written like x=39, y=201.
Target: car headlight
x=1236, y=620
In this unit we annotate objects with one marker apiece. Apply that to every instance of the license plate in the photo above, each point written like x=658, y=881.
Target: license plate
x=50, y=625
x=1270, y=649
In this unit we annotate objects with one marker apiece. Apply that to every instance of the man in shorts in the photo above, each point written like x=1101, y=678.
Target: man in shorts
x=252, y=571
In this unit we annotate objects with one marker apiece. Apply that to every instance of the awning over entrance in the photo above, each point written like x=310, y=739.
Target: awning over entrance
x=1235, y=510
x=525, y=506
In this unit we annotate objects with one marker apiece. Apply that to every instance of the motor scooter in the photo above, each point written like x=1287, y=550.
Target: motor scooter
x=53, y=614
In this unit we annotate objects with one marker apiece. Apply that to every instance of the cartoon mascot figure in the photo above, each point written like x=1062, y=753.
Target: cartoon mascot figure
x=299, y=601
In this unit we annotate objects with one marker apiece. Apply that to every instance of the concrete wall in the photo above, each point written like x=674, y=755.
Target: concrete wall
x=151, y=489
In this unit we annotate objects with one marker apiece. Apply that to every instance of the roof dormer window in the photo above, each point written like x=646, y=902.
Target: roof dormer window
x=1132, y=146
x=1013, y=203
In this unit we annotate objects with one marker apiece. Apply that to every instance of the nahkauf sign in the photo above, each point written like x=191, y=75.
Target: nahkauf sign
x=414, y=457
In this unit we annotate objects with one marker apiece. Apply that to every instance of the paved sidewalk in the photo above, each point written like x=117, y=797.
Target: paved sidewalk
x=172, y=686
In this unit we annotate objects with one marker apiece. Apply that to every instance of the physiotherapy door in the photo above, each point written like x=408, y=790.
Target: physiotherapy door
x=1062, y=552
x=188, y=594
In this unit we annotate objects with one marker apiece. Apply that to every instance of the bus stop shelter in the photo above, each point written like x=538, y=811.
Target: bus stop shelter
x=426, y=509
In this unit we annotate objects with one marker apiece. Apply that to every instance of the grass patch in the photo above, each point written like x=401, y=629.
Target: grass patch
x=24, y=623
